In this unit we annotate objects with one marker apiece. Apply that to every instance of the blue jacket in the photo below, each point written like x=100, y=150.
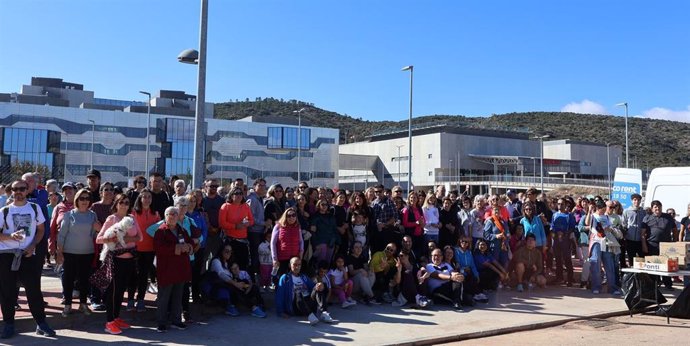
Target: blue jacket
x=284, y=294
x=186, y=225
x=465, y=259
x=200, y=222
x=534, y=227
x=490, y=233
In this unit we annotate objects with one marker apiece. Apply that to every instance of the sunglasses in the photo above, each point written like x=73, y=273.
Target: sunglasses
x=125, y=202
x=464, y=242
x=19, y=189
x=108, y=190
x=377, y=191
x=84, y=198
x=214, y=186
x=238, y=193
x=291, y=215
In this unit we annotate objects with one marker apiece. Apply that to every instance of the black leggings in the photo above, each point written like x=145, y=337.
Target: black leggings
x=144, y=264
x=76, y=267
x=240, y=253
x=311, y=304
x=122, y=271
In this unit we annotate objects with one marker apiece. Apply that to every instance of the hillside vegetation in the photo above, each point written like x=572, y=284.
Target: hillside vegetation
x=653, y=143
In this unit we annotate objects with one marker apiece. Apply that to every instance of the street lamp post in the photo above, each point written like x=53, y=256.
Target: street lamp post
x=64, y=173
x=191, y=56
x=450, y=170
x=409, y=132
x=299, y=143
x=608, y=166
x=625, y=104
x=93, y=138
x=148, y=128
x=541, y=145
x=399, y=146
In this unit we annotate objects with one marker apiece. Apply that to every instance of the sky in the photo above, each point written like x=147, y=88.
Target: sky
x=473, y=58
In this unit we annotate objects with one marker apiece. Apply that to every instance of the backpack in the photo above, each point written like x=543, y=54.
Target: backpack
x=6, y=211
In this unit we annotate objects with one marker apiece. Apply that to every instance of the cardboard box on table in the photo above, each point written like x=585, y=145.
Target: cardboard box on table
x=661, y=263
x=681, y=250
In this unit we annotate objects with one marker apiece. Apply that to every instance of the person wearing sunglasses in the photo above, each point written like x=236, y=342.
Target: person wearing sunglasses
x=138, y=184
x=383, y=265
x=286, y=242
x=67, y=204
x=22, y=230
x=235, y=219
x=75, y=249
x=121, y=261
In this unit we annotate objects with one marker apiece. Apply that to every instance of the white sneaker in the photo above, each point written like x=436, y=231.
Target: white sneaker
x=313, y=319
x=326, y=317
x=401, y=301
x=346, y=304
x=352, y=301
x=153, y=288
x=500, y=286
x=421, y=301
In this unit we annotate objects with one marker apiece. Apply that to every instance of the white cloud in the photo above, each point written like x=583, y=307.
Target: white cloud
x=584, y=107
x=668, y=114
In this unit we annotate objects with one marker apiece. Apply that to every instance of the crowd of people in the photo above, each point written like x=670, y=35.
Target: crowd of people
x=310, y=247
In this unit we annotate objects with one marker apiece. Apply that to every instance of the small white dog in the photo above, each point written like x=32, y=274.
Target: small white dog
x=118, y=230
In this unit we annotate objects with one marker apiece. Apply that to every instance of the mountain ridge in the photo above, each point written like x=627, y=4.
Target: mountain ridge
x=653, y=142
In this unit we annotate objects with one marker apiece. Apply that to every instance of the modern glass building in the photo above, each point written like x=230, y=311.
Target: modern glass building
x=61, y=130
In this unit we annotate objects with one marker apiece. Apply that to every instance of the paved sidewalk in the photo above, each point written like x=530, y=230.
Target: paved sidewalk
x=376, y=325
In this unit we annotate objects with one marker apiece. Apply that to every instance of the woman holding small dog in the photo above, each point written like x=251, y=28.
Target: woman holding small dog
x=122, y=263
x=75, y=250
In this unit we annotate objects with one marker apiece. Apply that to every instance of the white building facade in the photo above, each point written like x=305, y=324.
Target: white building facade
x=49, y=124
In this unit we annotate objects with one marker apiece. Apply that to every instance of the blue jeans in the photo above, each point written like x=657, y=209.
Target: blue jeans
x=609, y=260
x=595, y=267
x=431, y=237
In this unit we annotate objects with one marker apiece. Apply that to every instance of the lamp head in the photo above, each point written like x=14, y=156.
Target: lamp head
x=189, y=56
x=407, y=68
x=622, y=104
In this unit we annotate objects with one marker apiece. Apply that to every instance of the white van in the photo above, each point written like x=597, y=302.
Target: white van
x=670, y=186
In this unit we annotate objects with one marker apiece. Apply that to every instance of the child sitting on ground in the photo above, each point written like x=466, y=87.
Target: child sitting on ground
x=340, y=283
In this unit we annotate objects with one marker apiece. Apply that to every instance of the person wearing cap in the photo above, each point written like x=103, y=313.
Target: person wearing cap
x=93, y=178
x=67, y=204
x=632, y=221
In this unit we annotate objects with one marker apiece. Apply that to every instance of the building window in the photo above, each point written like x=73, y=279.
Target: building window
x=430, y=155
x=180, y=135
x=28, y=149
x=431, y=173
x=286, y=138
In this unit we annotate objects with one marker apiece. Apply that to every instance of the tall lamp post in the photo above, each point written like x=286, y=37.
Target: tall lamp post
x=541, y=145
x=148, y=128
x=191, y=56
x=409, y=132
x=625, y=104
x=93, y=137
x=399, y=146
x=299, y=143
x=608, y=166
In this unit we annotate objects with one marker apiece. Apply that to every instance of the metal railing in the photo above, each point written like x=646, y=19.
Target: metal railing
x=521, y=180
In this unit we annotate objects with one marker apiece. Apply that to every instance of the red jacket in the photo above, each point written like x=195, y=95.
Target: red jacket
x=171, y=268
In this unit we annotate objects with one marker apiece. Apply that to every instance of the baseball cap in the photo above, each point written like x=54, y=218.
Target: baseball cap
x=68, y=184
x=93, y=172
x=510, y=193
